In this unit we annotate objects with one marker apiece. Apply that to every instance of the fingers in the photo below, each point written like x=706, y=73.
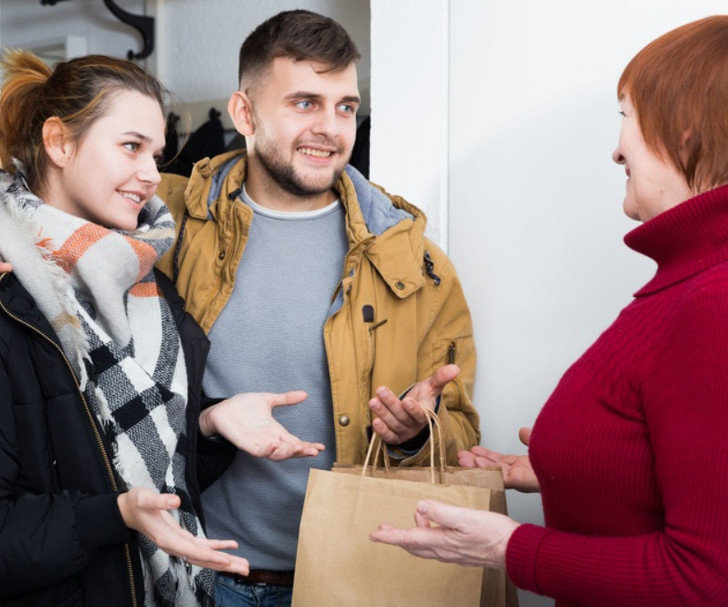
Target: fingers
x=280, y=451
x=397, y=435
x=416, y=541
x=5, y=267
x=443, y=376
x=238, y=565
x=481, y=451
x=524, y=435
x=421, y=521
x=305, y=449
x=147, y=512
x=175, y=527
x=266, y=451
x=290, y=446
x=384, y=433
x=197, y=550
x=435, y=384
x=201, y=551
x=284, y=452
x=277, y=446
x=288, y=398
x=235, y=564
x=216, y=544
x=138, y=503
x=149, y=500
x=393, y=411
x=211, y=559
x=466, y=459
x=403, y=419
x=480, y=457
x=439, y=513
x=388, y=534
x=397, y=421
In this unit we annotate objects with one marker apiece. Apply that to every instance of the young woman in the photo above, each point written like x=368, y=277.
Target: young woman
x=98, y=492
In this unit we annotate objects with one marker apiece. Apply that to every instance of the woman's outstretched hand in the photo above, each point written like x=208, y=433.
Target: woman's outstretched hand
x=472, y=538
x=517, y=471
x=146, y=511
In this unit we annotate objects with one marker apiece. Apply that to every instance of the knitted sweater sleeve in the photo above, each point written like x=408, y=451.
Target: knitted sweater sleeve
x=685, y=401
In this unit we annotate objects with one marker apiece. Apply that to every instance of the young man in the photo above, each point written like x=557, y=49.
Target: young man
x=306, y=276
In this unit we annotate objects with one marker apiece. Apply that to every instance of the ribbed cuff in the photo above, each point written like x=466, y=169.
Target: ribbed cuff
x=521, y=555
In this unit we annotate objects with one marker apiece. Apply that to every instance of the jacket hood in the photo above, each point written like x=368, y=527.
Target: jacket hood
x=377, y=209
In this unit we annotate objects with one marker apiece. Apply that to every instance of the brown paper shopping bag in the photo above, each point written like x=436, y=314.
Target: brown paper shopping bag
x=337, y=565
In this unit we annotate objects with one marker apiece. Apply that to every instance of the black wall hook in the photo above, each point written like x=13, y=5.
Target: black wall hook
x=143, y=24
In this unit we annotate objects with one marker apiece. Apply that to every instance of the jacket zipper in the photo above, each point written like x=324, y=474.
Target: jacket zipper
x=451, y=351
x=104, y=455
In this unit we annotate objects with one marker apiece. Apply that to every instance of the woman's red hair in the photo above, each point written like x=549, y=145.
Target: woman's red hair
x=678, y=85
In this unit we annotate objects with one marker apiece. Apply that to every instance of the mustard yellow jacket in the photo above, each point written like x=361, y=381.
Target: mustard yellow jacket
x=418, y=318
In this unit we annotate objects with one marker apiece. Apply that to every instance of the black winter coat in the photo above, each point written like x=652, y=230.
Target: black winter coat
x=63, y=542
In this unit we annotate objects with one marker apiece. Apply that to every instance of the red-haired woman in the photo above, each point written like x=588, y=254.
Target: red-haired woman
x=630, y=452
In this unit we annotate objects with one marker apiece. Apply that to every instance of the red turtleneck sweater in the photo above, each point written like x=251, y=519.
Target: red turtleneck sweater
x=631, y=449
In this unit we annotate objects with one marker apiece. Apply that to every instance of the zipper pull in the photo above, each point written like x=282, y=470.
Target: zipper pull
x=368, y=315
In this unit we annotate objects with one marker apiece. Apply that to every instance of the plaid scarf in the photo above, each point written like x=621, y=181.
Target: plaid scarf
x=119, y=334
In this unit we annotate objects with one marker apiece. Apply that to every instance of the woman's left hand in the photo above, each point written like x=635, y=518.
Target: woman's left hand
x=147, y=512
x=473, y=538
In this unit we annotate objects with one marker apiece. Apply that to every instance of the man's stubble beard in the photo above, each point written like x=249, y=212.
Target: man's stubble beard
x=283, y=173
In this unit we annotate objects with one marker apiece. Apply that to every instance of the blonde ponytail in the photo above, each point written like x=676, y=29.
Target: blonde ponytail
x=21, y=108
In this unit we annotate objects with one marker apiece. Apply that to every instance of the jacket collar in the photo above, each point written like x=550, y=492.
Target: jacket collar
x=385, y=228
x=212, y=182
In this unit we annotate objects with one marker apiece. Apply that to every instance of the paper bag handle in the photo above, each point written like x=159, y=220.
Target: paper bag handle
x=434, y=424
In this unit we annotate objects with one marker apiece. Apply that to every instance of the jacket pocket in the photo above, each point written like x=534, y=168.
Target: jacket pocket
x=459, y=351
x=456, y=350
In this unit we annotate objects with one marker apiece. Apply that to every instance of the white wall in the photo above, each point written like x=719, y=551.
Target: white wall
x=536, y=224
x=26, y=23
x=410, y=101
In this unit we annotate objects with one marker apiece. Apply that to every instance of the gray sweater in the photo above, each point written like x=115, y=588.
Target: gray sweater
x=269, y=338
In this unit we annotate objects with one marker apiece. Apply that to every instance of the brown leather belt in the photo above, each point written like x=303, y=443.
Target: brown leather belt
x=262, y=576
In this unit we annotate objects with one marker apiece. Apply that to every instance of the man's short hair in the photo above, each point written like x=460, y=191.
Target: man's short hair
x=299, y=35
